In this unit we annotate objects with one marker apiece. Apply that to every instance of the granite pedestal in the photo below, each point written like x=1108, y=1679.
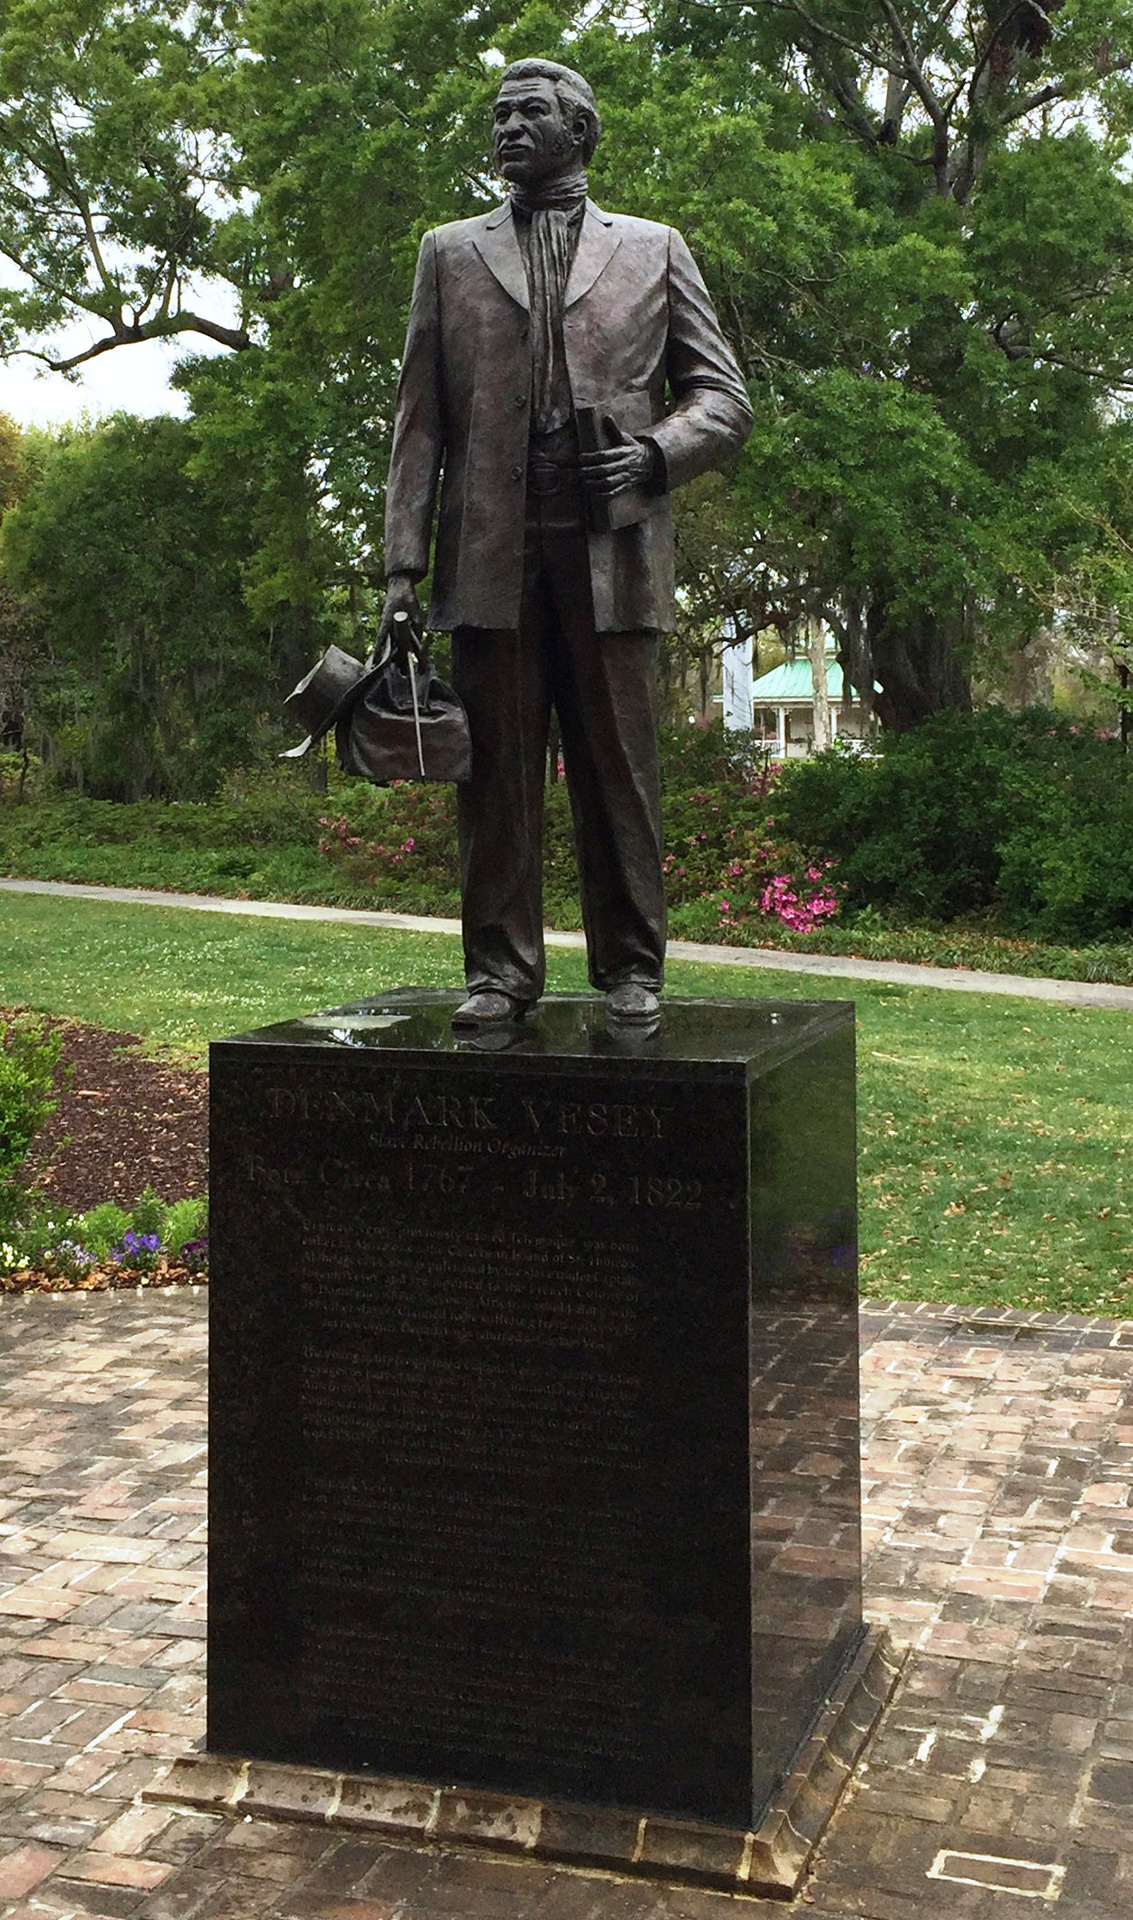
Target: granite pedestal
x=534, y=1429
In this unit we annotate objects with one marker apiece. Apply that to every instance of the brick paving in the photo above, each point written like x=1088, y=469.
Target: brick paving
x=999, y=1535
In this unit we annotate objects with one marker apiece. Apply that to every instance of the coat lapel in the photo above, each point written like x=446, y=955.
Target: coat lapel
x=597, y=245
x=499, y=250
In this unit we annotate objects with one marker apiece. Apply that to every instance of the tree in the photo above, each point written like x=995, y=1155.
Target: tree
x=968, y=337
x=133, y=572
x=21, y=639
x=119, y=171
x=915, y=220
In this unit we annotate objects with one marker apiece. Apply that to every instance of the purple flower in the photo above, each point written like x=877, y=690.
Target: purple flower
x=136, y=1246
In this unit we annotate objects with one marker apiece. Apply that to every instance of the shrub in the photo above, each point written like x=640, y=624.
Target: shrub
x=147, y=1215
x=724, y=871
x=1019, y=816
x=411, y=859
x=183, y=1224
x=103, y=1227
x=90, y=1249
x=712, y=755
x=29, y=1057
x=727, y=869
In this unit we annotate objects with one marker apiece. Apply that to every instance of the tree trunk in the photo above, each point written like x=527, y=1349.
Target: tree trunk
x=1032, y=672
x=816, y=647
x=916, y=659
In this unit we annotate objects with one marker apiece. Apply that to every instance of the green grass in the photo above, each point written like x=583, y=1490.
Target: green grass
x=995, y=1137
x=260, y=842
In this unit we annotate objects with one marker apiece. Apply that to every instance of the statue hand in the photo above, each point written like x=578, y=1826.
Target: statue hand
x=402, y=621
x=624, y=464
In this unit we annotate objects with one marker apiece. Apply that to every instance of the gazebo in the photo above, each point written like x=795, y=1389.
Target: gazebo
x=782, y=708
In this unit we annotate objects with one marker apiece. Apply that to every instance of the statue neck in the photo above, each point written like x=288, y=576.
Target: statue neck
x=562, y=193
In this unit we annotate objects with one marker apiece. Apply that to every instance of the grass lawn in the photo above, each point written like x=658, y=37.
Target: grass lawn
x=995, y=1133
x=263, y=845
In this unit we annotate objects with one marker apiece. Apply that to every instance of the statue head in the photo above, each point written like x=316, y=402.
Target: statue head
x=545, y=122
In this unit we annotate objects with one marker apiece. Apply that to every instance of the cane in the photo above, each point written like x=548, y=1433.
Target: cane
x=412, y=670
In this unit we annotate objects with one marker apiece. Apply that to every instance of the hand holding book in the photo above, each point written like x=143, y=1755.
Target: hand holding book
x=619, y=471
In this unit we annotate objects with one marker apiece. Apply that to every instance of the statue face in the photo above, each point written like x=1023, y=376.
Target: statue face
x=531, y=141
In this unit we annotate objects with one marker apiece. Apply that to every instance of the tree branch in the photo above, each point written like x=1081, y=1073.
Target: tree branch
x=914, y=71
x=82, y=206
x=39, y=279
x=1060, y=90
x=989, y=48
x=237, y=338
x=850, y=101
x=869, y=54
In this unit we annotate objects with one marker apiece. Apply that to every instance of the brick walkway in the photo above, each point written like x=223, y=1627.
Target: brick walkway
x=999, y=1531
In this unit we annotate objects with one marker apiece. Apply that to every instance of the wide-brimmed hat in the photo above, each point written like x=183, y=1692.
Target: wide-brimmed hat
x=324, y=694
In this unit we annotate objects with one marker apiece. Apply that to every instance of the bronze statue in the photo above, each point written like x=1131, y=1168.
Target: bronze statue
x=564, y=371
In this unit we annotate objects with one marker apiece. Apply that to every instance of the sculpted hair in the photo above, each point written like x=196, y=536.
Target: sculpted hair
x=574, y=95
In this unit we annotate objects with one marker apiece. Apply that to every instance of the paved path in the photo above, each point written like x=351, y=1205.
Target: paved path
x=1071, y=993
x=999, y=1532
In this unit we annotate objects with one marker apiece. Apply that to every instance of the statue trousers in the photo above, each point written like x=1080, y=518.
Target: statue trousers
x=602, y=687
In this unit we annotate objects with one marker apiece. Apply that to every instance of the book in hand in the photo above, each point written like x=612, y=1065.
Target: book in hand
x=609, y=511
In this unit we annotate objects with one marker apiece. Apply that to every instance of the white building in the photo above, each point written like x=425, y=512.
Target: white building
x=781, y=707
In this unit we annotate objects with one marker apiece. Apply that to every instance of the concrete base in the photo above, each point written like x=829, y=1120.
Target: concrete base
x=769, y=1861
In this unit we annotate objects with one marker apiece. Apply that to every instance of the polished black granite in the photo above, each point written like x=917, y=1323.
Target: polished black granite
x=533, y=1401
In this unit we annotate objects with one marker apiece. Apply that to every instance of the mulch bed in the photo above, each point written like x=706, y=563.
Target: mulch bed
x=123, y=1123
x=108, y=1279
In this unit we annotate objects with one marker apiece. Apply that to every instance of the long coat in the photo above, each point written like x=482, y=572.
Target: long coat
x=641, y=340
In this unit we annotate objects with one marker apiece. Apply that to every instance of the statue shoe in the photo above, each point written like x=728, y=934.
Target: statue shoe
x=486, y=1008
x=632, y=1002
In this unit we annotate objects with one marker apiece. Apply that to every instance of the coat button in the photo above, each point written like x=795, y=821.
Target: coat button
x=517, y=473
x=521, y=399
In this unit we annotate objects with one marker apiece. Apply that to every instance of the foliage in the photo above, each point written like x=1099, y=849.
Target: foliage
x=102, y=1227
x=23, y=670
x=112, y=119
x=147, y=1215
x=917, y=224
x=414, y=859
x=106, y=1246
x=135, y=570
x=941, y=376
x=918, y=877
x=29, y=1059
x=1019, y=815
x=728, y=874
x=184, y=1223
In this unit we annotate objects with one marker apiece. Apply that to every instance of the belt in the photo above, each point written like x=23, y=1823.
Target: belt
x=552, y=476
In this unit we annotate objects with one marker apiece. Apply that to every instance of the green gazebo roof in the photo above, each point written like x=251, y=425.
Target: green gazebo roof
x=792, y=683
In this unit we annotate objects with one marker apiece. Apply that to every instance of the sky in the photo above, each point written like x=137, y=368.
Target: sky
x=132, y=379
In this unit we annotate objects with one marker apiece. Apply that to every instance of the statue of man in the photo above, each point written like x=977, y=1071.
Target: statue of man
x=564, y=371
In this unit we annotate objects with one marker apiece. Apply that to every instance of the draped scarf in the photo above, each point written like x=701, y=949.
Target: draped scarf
x=554, y=213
